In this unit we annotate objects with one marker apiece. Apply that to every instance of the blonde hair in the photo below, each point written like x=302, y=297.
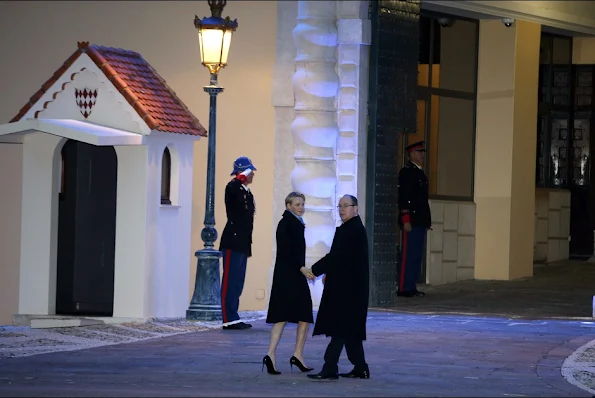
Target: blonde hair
x=292, y=196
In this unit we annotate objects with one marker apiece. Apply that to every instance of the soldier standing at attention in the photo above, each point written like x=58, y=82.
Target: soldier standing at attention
x=415, y=219
x=236, y=241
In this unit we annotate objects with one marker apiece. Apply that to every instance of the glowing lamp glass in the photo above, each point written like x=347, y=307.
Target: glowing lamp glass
x=214, y=47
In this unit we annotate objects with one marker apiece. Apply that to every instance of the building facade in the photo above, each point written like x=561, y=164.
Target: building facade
x=472, y=79
x=324, y=95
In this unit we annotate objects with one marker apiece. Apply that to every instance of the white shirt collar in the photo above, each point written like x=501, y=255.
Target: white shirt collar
x=416, y=165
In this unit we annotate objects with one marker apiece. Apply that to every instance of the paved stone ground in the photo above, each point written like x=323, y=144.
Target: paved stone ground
x=561, y=290
x=579, y=368
x=20, y=341
x=409, y=355
x=413, y=349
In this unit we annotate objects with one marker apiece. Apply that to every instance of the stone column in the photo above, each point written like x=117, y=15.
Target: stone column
x=354, y=34
x=283, y=100
x=314, y=128
x=506, y=136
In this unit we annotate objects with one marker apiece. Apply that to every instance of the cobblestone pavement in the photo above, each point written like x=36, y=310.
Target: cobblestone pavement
x=562, y=290
x=20, y=341
x=409, y=355
x=529, y=337
x=579, y=368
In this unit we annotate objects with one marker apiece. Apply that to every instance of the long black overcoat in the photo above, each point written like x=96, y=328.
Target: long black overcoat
x=239, y=206
x=413, y=196
x=290, y=295
x=344, y=305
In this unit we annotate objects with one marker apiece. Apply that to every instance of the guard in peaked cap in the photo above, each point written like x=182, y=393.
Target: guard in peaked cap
x=415, y=218
x=242, y=163
x=236, y=240
x=419, y=146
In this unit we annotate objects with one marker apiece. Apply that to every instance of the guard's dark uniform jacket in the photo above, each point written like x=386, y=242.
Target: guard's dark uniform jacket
x=413, y=196
x=239, y=205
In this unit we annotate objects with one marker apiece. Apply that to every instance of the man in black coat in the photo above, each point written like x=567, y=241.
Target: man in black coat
x=415, y=219
x=236, y=241
x=344, y=305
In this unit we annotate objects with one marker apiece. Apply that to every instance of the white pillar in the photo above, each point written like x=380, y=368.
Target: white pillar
x=354, y=38
x=131, y=276
x=314, y=129
x=283, y=100
x=39, y=224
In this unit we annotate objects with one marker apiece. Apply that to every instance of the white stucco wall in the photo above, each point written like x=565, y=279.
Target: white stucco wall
x=11, y=161
x=152, y=240
x=169, y=228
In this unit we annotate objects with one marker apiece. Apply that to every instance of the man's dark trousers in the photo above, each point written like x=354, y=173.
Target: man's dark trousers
x=412, y=249
x=234, y=273
x=355, y=354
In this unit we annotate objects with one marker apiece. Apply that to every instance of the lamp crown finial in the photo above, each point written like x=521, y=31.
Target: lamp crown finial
x=217, y=7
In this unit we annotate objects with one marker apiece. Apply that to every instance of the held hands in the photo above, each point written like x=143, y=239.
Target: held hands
x=308, y=273
x=407, y=227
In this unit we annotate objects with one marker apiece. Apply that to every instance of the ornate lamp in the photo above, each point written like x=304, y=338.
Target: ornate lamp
x=214, y=35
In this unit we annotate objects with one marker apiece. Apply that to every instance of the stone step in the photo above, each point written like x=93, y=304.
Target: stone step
x=50, y=323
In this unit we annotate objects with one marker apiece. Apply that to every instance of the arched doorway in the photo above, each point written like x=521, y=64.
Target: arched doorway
x=86, y=230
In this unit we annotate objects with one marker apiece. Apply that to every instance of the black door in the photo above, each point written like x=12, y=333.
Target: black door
x=582, y=209
x=86, y=230
x=564, y=144
x=392, y=111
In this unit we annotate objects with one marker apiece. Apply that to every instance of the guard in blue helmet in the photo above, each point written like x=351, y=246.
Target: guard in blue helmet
x=241, y=164
x=236, y=240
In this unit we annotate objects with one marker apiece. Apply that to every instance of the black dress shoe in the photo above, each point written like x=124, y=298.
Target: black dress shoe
x=405, y=294
x=237, y=326
x=418, y=293
x=357, y=374
x=324, y=376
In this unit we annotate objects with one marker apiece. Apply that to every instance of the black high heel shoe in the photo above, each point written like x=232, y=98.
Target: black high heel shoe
x=269, y=364
x=294, y=361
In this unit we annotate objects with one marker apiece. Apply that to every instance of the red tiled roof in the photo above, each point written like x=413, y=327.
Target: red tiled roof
x=148, y=93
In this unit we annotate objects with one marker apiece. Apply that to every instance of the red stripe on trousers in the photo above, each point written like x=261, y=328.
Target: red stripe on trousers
x=403, y=260
x=225, y=283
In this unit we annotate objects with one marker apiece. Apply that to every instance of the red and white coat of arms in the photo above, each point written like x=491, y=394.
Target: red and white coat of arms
x=85, y=99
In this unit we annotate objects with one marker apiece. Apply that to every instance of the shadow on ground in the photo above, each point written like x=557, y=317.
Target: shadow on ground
x=561, y=290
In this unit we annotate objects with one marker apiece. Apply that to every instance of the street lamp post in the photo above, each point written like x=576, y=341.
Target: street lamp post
x=214, y=35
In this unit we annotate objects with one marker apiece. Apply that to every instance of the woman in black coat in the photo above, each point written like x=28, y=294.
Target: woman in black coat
x=290, y=295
